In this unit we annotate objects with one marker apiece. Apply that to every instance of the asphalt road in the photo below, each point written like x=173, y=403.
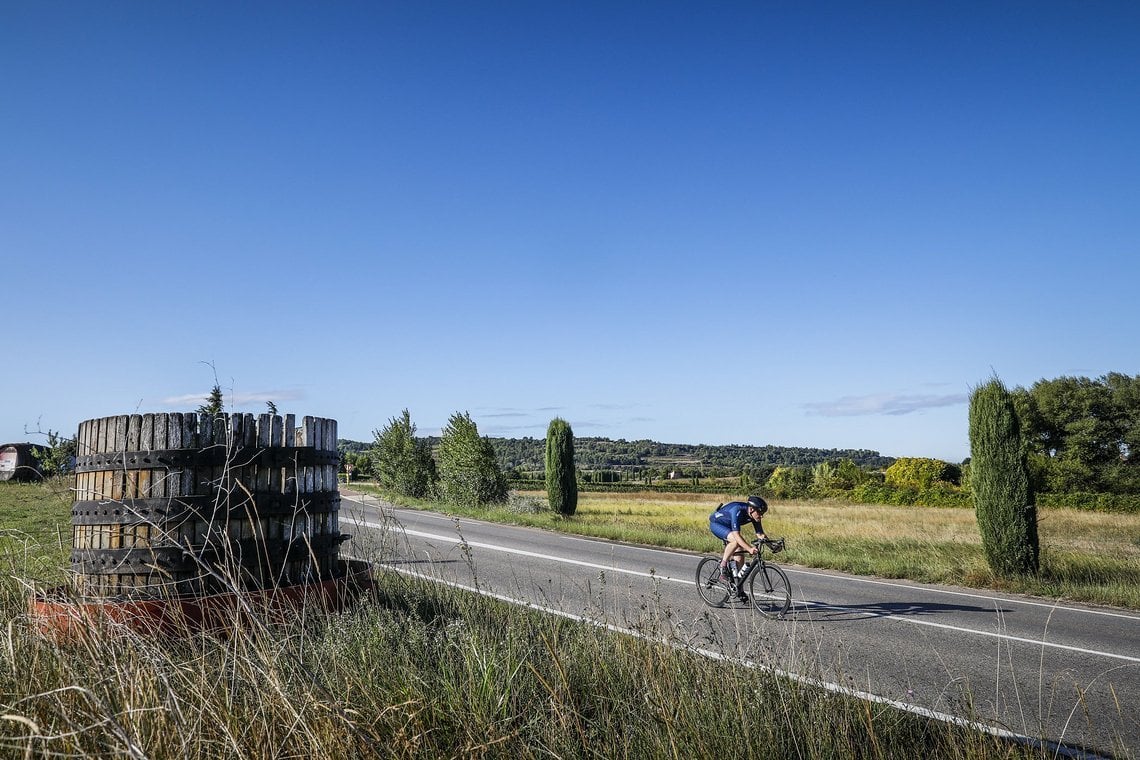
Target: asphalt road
x=1059, y=672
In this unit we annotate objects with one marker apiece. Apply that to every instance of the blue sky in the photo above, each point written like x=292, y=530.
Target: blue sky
x=801, y=224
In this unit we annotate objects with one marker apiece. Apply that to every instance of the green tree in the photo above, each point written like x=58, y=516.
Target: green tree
x=402, y=462
x=561, y=484
x=790, y=482
x=831, y=478
x=356, y=465
x=1083, y=433
x=999, y=479
x=214, y=402
x=57, y=457
x=469, y=474
x=1124, y=473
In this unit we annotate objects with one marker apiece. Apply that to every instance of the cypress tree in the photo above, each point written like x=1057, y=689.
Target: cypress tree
x=561, y=485
x=999, y=479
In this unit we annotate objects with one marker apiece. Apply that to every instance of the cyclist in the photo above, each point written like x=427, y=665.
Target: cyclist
x=726, y=522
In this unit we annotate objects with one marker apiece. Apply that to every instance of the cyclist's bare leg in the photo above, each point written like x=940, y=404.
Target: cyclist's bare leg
x=733, y=544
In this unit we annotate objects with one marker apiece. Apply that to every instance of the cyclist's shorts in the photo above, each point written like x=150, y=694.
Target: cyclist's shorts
x=719, y=529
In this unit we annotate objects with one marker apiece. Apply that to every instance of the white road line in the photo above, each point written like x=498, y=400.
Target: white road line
x=688, y=581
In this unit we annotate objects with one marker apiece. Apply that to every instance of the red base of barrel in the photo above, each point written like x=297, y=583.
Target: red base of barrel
x=55, y=616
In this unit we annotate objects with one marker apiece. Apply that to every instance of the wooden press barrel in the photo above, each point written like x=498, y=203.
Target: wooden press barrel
x=18, y=461
x=195, y=504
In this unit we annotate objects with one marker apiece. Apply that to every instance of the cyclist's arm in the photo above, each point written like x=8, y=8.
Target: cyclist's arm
x=760, y=534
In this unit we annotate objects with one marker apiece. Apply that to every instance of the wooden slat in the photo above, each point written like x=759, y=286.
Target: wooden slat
x=264, y=436
x=174, y=441
x=189, y=441
x=81, y=479
x=134, y=443
x=305, y=474
x=234, y=438
x=248, y=441
x=120, y=445
x=204, y=476
x=331, y=480
x=146, y=443
x=97, y=439
x=276, y=434
x=159, y=487
x=318, y=444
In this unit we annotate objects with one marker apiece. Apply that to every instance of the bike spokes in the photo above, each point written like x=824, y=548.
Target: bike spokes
x=709, y=585
x=771, y=592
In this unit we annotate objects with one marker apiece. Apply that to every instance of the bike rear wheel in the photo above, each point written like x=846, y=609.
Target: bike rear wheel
x=709, y=585
x=770, y=591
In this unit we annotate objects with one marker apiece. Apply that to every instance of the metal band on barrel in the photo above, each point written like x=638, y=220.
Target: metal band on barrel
x=177, y=508
x=213, y=456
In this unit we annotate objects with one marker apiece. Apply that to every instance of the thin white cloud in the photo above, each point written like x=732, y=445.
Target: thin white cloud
x=185, y=400
x=234, y=400
x=889, y=404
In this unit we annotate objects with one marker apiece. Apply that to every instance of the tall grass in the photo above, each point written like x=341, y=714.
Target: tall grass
x=421, y=671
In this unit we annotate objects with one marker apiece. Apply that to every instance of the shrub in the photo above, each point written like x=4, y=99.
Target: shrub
x=469, y=474
x=921, y=473
x=403, y=462
x=58, y=457
x=837, y=478
x=790, y=482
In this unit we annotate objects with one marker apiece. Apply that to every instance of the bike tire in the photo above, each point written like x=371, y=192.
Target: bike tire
x=709, y=586
x=770, y=591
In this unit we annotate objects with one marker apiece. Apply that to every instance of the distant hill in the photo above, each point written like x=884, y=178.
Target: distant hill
x=686, y=460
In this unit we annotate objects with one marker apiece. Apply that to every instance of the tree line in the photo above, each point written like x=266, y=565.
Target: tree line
x=525, y=455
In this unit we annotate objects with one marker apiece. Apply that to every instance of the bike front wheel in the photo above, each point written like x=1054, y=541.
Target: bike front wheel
x=709, y=585
x=770, y=591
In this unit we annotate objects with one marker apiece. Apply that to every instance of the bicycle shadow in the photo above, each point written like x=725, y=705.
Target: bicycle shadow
x=824, y=612
x=422, y=562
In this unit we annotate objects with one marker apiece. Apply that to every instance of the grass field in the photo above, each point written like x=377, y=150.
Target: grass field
x=415, y=671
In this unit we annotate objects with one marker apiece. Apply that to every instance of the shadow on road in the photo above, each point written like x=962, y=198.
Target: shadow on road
x=822, y=612
x=422, y=561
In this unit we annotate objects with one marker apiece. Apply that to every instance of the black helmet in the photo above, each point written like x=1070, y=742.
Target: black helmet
x=759, y=504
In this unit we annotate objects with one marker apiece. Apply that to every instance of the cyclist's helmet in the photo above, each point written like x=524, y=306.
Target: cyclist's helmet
x=758, y=504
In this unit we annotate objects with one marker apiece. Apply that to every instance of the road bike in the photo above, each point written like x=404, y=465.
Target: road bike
x=758, y=582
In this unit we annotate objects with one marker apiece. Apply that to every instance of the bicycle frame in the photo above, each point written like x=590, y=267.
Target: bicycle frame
x=749, y=565
x=770, y=592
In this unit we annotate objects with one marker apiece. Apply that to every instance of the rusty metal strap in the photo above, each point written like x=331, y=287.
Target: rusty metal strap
x=213, y=456
x=172, y=510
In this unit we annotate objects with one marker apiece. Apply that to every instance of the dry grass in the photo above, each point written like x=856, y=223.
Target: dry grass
x=1085, y=556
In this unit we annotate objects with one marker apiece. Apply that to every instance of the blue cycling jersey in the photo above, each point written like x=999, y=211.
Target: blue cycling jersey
x=730, y=518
